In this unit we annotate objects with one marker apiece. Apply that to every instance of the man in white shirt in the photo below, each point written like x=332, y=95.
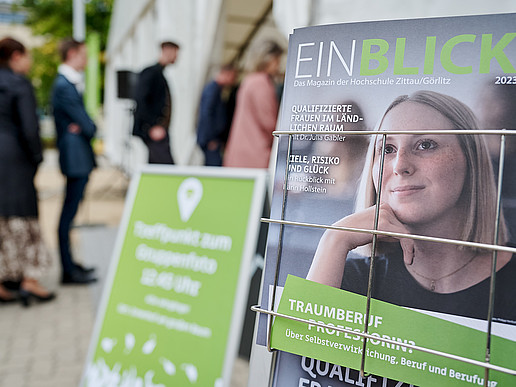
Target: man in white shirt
x=75, y=130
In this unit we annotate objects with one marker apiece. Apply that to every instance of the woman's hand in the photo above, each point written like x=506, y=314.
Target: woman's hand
x=334, y=246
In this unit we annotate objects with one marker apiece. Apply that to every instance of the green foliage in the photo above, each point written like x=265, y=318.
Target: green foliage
x=53, y=19
x=43, y=71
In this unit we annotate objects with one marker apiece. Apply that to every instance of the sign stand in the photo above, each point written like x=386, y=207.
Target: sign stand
x=178, y=280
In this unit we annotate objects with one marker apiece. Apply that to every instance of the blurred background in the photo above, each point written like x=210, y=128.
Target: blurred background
x=125, y=35
x=46, y=345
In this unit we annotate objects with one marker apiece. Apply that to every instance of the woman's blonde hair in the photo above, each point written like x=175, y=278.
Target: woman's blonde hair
x=262, y=53
x=479, y=191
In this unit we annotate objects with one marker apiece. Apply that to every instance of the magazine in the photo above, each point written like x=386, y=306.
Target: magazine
x=396, y=137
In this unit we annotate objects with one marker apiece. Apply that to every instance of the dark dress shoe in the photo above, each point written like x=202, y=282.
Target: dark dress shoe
x=86, y=270
x=78, y=277
x=27, y=296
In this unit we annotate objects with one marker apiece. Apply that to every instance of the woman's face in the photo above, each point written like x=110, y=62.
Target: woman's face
x=273, y=66
x=423, y=175
x=20, y=62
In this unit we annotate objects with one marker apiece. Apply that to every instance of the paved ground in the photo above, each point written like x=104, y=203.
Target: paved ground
x=46, y=345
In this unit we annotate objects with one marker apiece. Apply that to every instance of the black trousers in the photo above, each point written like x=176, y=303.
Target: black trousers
x=75, y=187
x=159, y=151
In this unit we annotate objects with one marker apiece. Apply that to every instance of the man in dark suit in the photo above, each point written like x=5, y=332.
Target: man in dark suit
x=75, y=129
x=154, y=107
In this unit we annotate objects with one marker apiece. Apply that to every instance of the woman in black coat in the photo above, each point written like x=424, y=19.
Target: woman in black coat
x=23, y=256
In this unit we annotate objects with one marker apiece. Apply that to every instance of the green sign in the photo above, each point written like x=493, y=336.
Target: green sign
x=174, y=301
x=92, y=93
x=324, y=304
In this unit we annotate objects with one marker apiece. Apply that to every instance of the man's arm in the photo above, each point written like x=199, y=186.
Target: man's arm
x=68, y=100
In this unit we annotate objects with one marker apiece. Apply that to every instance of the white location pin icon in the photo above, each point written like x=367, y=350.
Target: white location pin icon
x=189, y=195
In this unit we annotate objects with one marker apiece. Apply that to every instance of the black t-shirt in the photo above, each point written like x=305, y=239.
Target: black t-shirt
x=393, y=283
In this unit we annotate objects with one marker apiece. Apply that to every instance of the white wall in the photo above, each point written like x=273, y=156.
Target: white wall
x=290, y=14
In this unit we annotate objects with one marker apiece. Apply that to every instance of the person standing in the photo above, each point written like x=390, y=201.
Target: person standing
x=75, y=130
x=154, y=107
x=23, y=255
x=250, y=137
x=214, y=116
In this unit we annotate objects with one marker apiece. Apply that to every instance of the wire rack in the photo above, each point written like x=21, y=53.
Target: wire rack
x=494, y=248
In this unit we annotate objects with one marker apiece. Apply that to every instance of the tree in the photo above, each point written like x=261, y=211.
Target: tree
x=52, y=19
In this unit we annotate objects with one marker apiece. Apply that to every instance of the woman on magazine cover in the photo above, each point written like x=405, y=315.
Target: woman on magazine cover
x=434, y=185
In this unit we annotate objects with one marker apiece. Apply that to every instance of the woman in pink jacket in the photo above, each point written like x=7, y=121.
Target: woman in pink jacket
x=250, y=137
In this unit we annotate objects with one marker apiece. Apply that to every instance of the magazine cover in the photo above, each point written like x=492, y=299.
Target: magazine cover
x=432, y=288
